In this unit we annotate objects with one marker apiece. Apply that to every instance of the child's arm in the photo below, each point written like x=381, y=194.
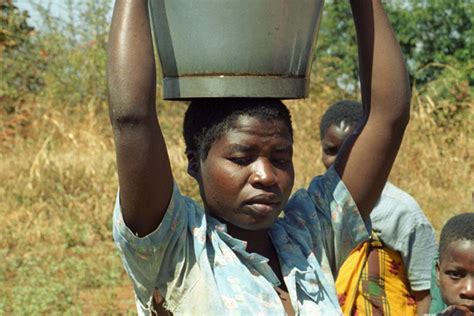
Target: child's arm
x=423, y=301
x=143, y=165
x=365, y=160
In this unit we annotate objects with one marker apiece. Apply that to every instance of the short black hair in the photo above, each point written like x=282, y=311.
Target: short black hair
x=459, y=227
x=348, y=111
x=208, y=119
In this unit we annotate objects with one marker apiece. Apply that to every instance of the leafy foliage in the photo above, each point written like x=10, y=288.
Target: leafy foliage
x=434, y=32
x=64, y=60
x=430, y=32
x=21, y=61
x=75, y=49
x=436, y=38
x=336, y=50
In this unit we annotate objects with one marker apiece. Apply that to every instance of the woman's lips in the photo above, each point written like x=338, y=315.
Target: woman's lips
x=263, y=209
x=263, y=204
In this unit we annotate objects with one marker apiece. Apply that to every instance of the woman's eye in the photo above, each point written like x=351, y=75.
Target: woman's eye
x=283, y=161
x=243, y=161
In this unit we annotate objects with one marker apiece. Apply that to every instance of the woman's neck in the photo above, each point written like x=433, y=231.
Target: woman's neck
x=257, y=240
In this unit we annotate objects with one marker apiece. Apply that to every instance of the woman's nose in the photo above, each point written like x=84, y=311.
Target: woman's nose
x=263, y=173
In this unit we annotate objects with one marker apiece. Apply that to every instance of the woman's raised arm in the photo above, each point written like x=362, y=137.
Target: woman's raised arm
x=367, y=156
x=144, y=171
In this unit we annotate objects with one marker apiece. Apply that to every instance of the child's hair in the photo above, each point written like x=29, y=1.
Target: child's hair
x=459, y=227
x=208, y=119
x=346, y=110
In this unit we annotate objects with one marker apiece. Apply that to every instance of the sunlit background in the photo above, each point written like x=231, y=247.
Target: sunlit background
x=57, y=161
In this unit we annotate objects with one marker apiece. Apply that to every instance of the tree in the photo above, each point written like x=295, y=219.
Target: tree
x=64, y=60
x=432, y=33
x=336, y=50
x=21, y=65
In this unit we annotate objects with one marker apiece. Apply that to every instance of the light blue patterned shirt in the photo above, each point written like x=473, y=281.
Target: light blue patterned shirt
x=199, y=269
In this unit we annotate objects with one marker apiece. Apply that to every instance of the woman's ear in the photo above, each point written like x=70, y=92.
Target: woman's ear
x=193, y=163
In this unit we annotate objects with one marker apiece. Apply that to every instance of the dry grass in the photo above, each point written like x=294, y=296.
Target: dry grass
x=59, y=181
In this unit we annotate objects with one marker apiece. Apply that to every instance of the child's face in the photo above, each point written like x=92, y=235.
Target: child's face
x=332, y=141
x=248, y=174
x=455, y=273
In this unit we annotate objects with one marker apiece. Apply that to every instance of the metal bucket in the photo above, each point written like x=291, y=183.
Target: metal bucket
x=235, y=48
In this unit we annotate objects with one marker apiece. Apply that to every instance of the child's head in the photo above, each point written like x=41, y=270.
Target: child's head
x=337, y=123
x=240, y=152
x=455, y=269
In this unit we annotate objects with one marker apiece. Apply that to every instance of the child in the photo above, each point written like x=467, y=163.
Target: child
x=235, y=255
x=455, y=267
x=394, y=272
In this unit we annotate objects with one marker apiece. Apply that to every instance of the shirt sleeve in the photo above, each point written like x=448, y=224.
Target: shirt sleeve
x=403, y=227
x=145, y=258
x=341, y=223
x=418, y=251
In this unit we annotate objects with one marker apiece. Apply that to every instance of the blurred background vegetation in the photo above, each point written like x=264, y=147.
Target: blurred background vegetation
x=57, y=161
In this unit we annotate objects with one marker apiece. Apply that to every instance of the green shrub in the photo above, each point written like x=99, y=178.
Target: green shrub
x=64, y=60
x=21, y=60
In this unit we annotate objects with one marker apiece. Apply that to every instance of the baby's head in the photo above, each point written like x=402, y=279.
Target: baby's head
x=455, y=269
x=240, y=152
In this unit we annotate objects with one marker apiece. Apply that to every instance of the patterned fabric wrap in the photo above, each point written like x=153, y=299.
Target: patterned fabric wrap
x=372, y=281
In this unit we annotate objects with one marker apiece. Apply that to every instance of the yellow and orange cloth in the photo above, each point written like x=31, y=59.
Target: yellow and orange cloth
x=372, y=281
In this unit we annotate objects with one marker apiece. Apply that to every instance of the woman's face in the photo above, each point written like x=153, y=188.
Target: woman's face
x=247, y=176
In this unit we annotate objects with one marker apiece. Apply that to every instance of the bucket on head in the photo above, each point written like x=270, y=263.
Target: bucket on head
x=235, y=48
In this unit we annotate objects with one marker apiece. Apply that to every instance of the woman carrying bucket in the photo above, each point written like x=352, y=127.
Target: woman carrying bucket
x=234, y=255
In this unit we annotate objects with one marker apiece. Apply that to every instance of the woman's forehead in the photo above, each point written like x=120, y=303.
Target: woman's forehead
x=263, y=127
